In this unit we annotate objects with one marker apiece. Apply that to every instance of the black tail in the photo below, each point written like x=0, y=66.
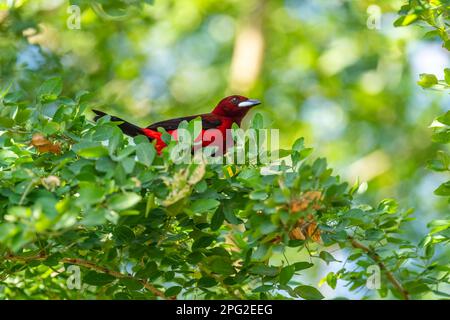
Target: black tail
x=127, y=128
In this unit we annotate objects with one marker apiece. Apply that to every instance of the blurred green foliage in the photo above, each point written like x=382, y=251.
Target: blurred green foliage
x=337, y=72
x=434, y=14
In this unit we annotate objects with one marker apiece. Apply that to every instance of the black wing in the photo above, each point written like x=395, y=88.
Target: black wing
x=208, y=122
x=127, y=128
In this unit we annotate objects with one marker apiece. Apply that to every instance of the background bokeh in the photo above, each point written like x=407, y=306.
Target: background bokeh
x=334, y=71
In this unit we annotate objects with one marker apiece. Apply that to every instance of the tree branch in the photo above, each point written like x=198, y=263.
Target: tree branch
x=91, y=266
x=375, y=257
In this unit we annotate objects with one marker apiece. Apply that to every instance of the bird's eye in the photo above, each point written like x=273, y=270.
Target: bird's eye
x=235, y=100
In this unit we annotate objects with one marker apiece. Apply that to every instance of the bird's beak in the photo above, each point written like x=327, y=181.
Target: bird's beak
x=249, y=103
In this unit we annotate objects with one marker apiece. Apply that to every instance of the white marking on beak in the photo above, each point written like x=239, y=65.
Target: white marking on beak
x=249, y=103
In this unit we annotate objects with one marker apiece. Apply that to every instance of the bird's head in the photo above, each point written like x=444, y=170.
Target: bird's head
x=235, y=106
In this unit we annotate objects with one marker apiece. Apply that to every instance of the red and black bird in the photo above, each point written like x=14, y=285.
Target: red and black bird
x=229, y=110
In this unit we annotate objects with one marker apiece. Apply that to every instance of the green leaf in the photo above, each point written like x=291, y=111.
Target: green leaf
x=90, y=150
x=221, y=265
x=299, y=152
x=264, y=270
x=13, y=97
x=105, y=164
x=230, y=216
x=6, y=122
x=429, y=251
x=427, y=80
x=308, y=293
x=94, y=217
x=299, y=145
x=124, y=201
x=262, y=252
x=169, y=275
x=204, y=205
x=263, y=288
x=438, y=225
x=388, y=205
x=97, y=279
x=124, y=234
x=406, y=20
x=327, y=257
x=150, y=268
x=331, y=280
x=203, y=242
x=145, y=153
x=132, y=284
x=90, y=194
x=206, y=282
x=374, y=234
x=286, y=274
x=447, y=79
x=431, y=34
x=114, y=140
x=258, y=195
x=217, y=220
x=22, y=116
x=50, y=89
x=302, y=265
x=440, y=293
x=5, y=89
x=446, y=44
x=416, y=287
x=50, y=128
x=441, y=163
x=258, y=121
x=7, y=230
x=441, y=136
x=319, y=166
x=122, y=296
x=443, y=189
x=173, y=291
x=445, y=118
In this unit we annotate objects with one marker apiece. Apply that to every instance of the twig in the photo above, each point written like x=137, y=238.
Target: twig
x=26, y=191
x=375, y=257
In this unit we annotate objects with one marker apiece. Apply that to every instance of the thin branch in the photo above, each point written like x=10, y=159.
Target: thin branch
x=91, y=266
x=375, y=257
x=27, y=190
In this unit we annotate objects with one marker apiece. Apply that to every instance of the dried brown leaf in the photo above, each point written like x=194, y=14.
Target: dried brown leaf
x=44, y=145
x=305, y=229
x=302, y=203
